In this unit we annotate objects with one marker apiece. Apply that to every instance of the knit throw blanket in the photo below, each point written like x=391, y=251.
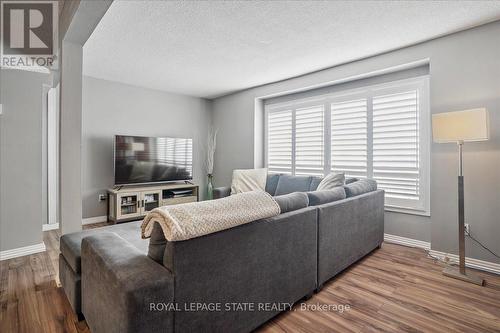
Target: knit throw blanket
x=195, y=219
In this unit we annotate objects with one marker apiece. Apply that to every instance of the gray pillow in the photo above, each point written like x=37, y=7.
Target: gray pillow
x=314, y=183
x=350, y=180
x=322, y=197
x=272, y=183
x=288, y=184
x=359, y=187
x=292, y=201
x=332, y=180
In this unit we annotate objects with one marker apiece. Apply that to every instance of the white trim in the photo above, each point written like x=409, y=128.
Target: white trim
x=420, y=84
x=469, y=262
x=96, y=219
x=50, y=226
x=355, y=77
x=407, y=241
x=22, y=251
x=402, y=210
x=452, y=258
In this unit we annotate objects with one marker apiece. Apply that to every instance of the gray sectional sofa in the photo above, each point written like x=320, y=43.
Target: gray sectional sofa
x=122, y=283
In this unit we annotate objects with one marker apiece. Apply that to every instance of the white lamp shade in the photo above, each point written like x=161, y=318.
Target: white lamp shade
x=468, y=125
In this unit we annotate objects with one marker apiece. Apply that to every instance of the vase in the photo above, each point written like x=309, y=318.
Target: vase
x=210, y=187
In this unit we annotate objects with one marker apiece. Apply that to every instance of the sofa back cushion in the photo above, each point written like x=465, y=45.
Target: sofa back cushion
x=350, y=180
x=272, y=183
x=288, y=184
x=314, y=183
x=322, y=197
x=291, y=184
x=292, y=201
x=359, y=187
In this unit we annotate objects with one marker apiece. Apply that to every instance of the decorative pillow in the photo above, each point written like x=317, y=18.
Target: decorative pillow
x=246, y=180
x=292, y=201
x=322, y=197
x=288, y=184
x=360, y=187
x=331, y=181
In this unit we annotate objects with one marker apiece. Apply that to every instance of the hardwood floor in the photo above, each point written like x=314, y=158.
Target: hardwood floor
x=394, y=289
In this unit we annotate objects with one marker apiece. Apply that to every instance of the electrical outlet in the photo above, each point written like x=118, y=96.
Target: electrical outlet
x=467, y=228
x=102, y=197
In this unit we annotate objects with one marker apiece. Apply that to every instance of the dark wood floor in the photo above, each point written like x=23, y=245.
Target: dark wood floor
x=395, y=289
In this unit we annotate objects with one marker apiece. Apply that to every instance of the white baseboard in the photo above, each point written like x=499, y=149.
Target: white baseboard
x=50, y=226
x=92, y=220
x=407, y=241
x=22, y=251
x=469, y=262
x=453, y=258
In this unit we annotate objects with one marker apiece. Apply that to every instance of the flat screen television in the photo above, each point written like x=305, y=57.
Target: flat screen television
x=144, y=160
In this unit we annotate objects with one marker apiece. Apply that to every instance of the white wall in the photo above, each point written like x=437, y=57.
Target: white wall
x=111, y=108
x=21, y=194
x=464, y=73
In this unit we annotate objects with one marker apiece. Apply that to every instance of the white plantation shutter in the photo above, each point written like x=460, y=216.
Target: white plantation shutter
x=279, y=141
x=380, y=132
x=396, y=147
x=349, y=132
x=309, y=136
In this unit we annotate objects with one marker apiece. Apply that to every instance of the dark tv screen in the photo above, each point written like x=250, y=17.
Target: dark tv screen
x=141, y=160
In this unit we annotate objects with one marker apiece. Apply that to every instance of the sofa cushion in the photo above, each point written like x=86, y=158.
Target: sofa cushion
x=272, y=183
x=292, y=201
x=359, y=187
x=314, y=183
x=71, y=244
x=322, y=197
x=288, y=184
x=350, y=180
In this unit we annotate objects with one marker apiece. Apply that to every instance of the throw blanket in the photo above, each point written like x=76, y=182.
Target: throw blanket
x=195, y=219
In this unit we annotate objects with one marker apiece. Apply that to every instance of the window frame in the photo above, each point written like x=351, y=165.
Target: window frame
x=420, y=83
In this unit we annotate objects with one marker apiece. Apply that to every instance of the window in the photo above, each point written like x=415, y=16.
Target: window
x=379, y=132
x=349, y=146
x=309, y=136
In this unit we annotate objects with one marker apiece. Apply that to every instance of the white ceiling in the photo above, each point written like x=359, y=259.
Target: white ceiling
x=212, y=48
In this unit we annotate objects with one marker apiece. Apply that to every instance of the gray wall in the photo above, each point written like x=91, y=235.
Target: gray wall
x=111, y=108
x=464, y=73
x=21, y=206
x=70, y=138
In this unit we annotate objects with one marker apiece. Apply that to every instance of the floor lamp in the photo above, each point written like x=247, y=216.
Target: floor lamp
x=459, y=127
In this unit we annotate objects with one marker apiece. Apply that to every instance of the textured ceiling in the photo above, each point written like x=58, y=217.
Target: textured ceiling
x=212, y=48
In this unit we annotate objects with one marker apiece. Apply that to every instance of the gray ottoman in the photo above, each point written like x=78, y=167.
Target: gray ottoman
x=70, y=257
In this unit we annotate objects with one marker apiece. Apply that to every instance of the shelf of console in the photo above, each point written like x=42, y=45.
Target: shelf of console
x=132, y=203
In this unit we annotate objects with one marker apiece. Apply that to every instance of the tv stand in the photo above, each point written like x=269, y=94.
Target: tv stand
x=128, y=203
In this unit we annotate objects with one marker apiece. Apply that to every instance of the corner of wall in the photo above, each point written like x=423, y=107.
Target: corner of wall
x=258, y=135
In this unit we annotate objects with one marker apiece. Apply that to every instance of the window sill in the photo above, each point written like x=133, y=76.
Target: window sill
x=409, y=211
